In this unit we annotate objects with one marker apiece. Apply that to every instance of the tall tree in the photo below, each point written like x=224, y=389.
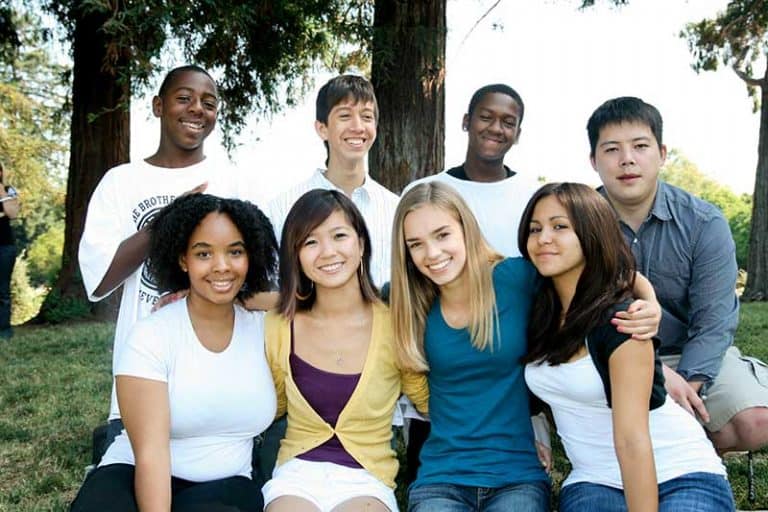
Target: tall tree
x=736, y=37
x=99, y=135
x=263, y=51
x=408, y=74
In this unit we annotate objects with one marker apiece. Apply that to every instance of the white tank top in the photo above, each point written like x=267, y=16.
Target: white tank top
x=575, y=393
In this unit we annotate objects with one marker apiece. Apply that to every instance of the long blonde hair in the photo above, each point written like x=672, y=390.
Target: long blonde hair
x=412, y=293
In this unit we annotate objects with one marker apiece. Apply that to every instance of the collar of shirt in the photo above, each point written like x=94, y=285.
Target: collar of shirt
x=364, y=191
x=660, y=208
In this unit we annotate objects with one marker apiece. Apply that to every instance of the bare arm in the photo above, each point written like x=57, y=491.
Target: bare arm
x=643, y=316
x=146, y=415
x=130, y=254
x=10, y=204
x=631, y=374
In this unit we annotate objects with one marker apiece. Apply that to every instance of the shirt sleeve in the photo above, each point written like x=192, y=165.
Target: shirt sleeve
x=714, y=307
x=416, y=388
x=102, y=235
x=146, y=352
x=272, y=342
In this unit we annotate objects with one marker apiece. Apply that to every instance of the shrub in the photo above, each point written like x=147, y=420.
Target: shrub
x=44, y=255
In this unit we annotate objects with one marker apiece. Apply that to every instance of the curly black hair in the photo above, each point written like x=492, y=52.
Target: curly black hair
x=174, y=225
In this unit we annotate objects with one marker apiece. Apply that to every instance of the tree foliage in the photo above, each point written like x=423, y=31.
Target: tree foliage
x=31, y=133
x=261, y=52
x=683, y=173
x=736, y=37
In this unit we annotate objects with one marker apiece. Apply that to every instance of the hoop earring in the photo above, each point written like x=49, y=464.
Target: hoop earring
x=361, y=272
x=309, y=293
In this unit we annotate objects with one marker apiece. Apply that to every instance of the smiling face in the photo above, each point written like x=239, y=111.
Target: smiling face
x=331, y=254
x=493, y=127
x=628, y=158
x=435, y=242
x=349, y=132
x=553, y=246
x=215, y=261
x=187, y=111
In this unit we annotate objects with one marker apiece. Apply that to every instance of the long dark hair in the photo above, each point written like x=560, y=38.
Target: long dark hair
x=297, y=292
x=607, y=278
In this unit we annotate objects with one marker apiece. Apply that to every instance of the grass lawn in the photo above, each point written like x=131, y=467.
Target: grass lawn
x=54, y=389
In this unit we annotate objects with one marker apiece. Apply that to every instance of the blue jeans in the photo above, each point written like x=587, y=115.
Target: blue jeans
x=7, y=259
x=694, y=492
x=525, y=497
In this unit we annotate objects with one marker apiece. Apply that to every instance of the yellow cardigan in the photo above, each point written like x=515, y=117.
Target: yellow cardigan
x=364, y=425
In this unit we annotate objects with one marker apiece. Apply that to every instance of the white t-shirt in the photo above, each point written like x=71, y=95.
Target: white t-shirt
x=218, y=401
x=498, y=206
x=127, y=197
x=375, y=202
x=584, y=422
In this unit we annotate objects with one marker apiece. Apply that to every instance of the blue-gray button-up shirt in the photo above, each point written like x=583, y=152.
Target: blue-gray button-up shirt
x=685, y=248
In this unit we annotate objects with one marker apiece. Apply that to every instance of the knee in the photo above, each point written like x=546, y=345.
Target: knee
x=751, y=427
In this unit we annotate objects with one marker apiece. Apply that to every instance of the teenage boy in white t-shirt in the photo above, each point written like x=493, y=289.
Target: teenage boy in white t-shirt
x=496, y=194
x=115, y=240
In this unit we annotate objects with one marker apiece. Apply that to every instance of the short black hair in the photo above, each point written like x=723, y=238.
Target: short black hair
x=495, y=88
x=174, y=225
x=172, y=74
x=626, y=109
x=338, y=89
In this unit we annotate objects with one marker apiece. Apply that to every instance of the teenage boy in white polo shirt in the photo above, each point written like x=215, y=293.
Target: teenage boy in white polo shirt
x=346, y=114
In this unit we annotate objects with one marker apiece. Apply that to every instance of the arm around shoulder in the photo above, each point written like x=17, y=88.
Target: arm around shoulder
x=416, y=388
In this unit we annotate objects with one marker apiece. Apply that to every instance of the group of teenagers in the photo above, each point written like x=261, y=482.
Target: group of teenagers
x=481, y=296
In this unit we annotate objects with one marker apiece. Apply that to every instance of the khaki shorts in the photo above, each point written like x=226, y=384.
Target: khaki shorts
x=741, y=384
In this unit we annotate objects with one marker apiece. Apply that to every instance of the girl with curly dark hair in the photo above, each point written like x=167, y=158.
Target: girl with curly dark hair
x=193, y=383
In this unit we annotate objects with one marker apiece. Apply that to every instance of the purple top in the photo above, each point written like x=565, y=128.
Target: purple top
x=327, y=393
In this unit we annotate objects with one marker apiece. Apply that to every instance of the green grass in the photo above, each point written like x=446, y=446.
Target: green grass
x=54, y=389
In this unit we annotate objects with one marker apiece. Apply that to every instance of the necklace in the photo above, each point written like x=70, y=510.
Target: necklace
x=339, y=358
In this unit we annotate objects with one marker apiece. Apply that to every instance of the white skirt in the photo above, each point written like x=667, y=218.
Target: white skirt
x=325, y=484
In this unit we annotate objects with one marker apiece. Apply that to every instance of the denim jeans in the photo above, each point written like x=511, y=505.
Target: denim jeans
x=525, y=497
x=694, y=492
x=7, y=260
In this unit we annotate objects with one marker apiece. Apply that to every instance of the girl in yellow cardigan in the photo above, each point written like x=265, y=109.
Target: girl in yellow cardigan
x=331, y=351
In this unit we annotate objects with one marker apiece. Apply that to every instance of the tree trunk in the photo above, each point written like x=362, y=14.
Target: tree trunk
x=757, y=263
x=408, y=74
x=99, y=140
